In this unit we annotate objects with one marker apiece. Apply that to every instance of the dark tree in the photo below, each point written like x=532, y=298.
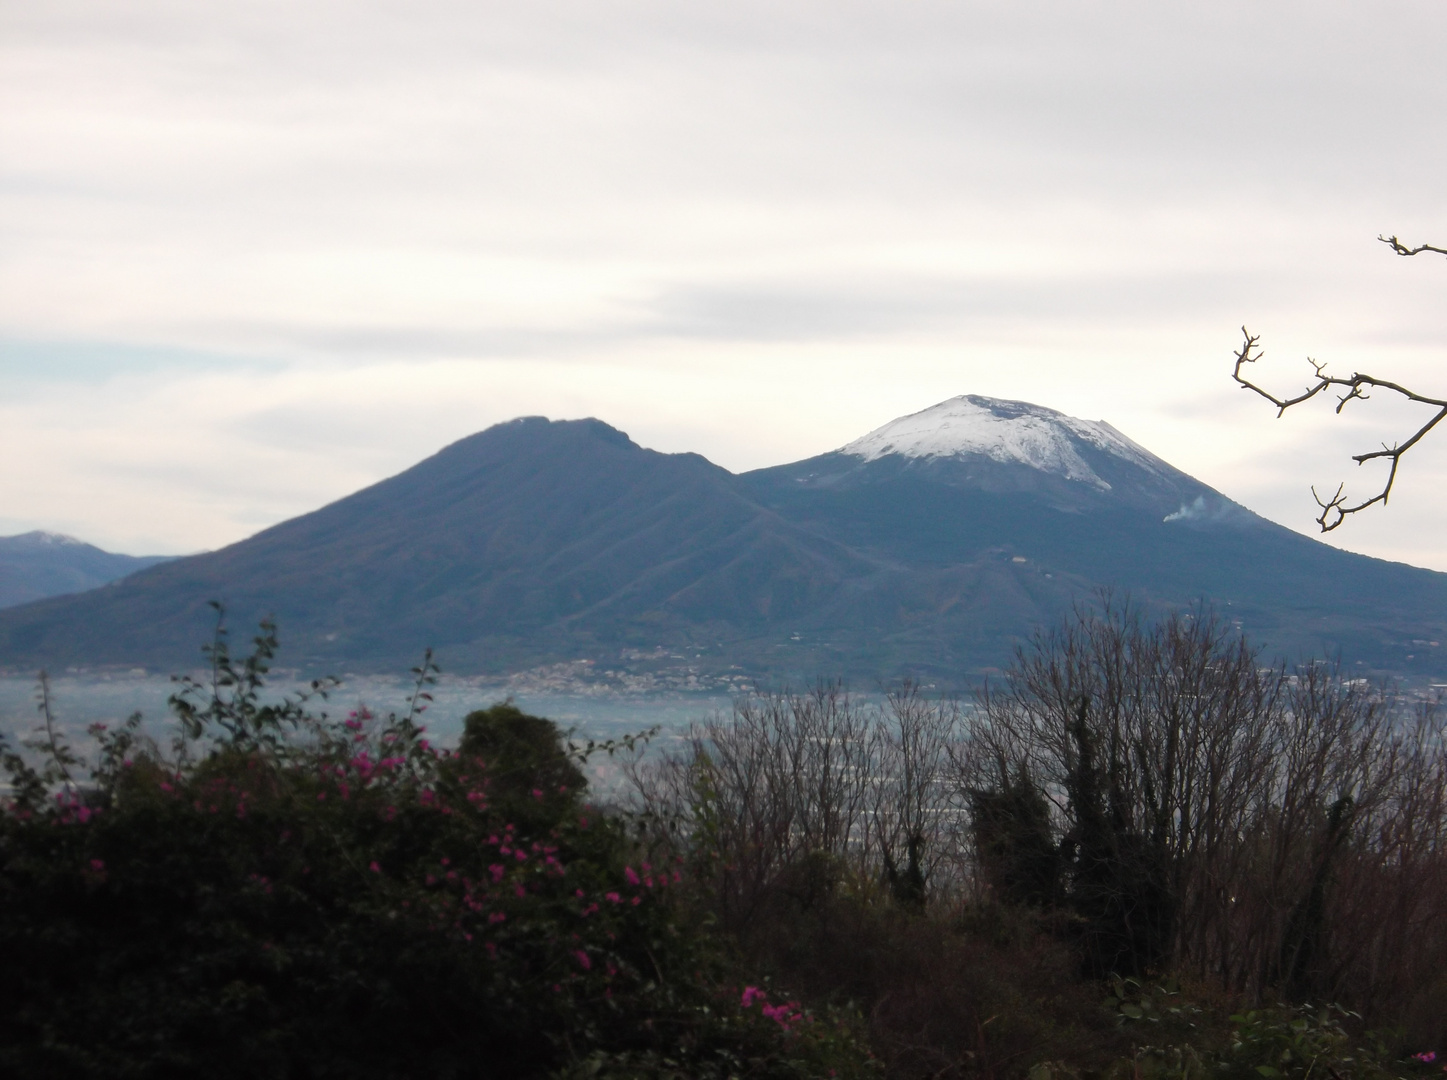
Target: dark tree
x=1013, y=839
x=1335, y=509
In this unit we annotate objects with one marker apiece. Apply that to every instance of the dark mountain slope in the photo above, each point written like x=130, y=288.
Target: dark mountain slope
x=527, y=541
x=35, y=565
x=933, y=545
x=1134, y=523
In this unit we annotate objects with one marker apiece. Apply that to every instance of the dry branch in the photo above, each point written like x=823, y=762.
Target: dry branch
x=1402, y=249
x=1335, y=510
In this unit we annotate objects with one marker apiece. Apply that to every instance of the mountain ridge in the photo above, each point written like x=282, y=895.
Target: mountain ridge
x=536, y=541
x=39, y=564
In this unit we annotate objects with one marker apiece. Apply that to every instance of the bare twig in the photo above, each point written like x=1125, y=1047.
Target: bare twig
x=1402, y=249
x=1335, y=510
x=60, y=754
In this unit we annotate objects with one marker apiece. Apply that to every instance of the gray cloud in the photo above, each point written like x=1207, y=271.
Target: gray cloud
x=947, y=196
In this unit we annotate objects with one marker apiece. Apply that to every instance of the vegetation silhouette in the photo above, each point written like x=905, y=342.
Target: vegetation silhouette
x=283, y=893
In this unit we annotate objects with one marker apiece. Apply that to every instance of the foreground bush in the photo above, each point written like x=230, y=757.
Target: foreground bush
x=280, y=894
x=1131, y=799
x=1281, y=1043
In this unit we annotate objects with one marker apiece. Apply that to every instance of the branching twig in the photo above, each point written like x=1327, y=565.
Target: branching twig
x=61, y=757
x=1402, y=249
x=424, y=676
x=1335, y=509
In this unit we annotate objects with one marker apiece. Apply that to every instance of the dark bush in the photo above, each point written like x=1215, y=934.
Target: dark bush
x=279, y=894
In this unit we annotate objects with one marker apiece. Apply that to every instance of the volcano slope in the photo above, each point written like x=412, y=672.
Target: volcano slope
x=933, y=545
x=1001, y=515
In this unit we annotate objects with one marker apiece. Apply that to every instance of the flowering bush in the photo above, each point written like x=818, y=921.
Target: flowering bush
x=282, y=894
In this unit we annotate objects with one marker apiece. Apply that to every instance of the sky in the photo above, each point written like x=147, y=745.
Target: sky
x=257, y=255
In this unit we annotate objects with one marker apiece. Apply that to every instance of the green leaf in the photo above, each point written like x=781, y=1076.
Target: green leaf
x=1267, y=1070
x=1135, y=1012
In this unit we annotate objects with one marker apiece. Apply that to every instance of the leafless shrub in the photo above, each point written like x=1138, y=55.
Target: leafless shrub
x=1265, y=829
x=807, y=792
x=1296, y=816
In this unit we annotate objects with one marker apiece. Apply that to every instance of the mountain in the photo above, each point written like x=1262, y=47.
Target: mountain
x=1004, y=513
x=934, y=544
x=531, y=540
x=34, y=565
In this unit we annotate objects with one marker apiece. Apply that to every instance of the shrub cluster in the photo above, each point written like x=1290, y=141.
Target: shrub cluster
x=278, y=893
x=1137, y=800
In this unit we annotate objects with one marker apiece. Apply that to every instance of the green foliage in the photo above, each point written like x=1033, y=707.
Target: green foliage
x=1296, y=1043
x=531, y=778
x=1283, y=1043
x=1159, y=1003
x=278, y=893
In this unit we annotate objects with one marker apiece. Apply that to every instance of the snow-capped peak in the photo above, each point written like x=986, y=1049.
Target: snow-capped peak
x=40, y=538
x=1004, y=431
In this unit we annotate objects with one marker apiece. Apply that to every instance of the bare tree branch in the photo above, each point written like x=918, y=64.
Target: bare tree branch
x=1402, y=249
x=1335, y=510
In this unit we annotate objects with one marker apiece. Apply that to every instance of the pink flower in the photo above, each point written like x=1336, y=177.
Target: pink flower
x=1426, y=1057
x=751, y=995
x=583, y=960
x=613, y=897
x=631, y=875
x=783, y=1015
x=374, y=867
x=99, y=864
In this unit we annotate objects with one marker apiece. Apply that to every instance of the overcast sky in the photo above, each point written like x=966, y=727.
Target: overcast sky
x=254, y=256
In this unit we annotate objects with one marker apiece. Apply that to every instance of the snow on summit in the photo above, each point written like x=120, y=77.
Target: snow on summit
x=1003, y=431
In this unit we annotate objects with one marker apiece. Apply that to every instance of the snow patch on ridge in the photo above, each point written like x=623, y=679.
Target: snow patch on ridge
x=1003, y=431
x=40, y=538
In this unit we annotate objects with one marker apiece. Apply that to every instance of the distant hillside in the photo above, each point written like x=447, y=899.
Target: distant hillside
x=934, y=545
x=35, y=565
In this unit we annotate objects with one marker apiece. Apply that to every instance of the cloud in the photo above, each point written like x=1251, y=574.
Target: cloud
x=747, y=229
